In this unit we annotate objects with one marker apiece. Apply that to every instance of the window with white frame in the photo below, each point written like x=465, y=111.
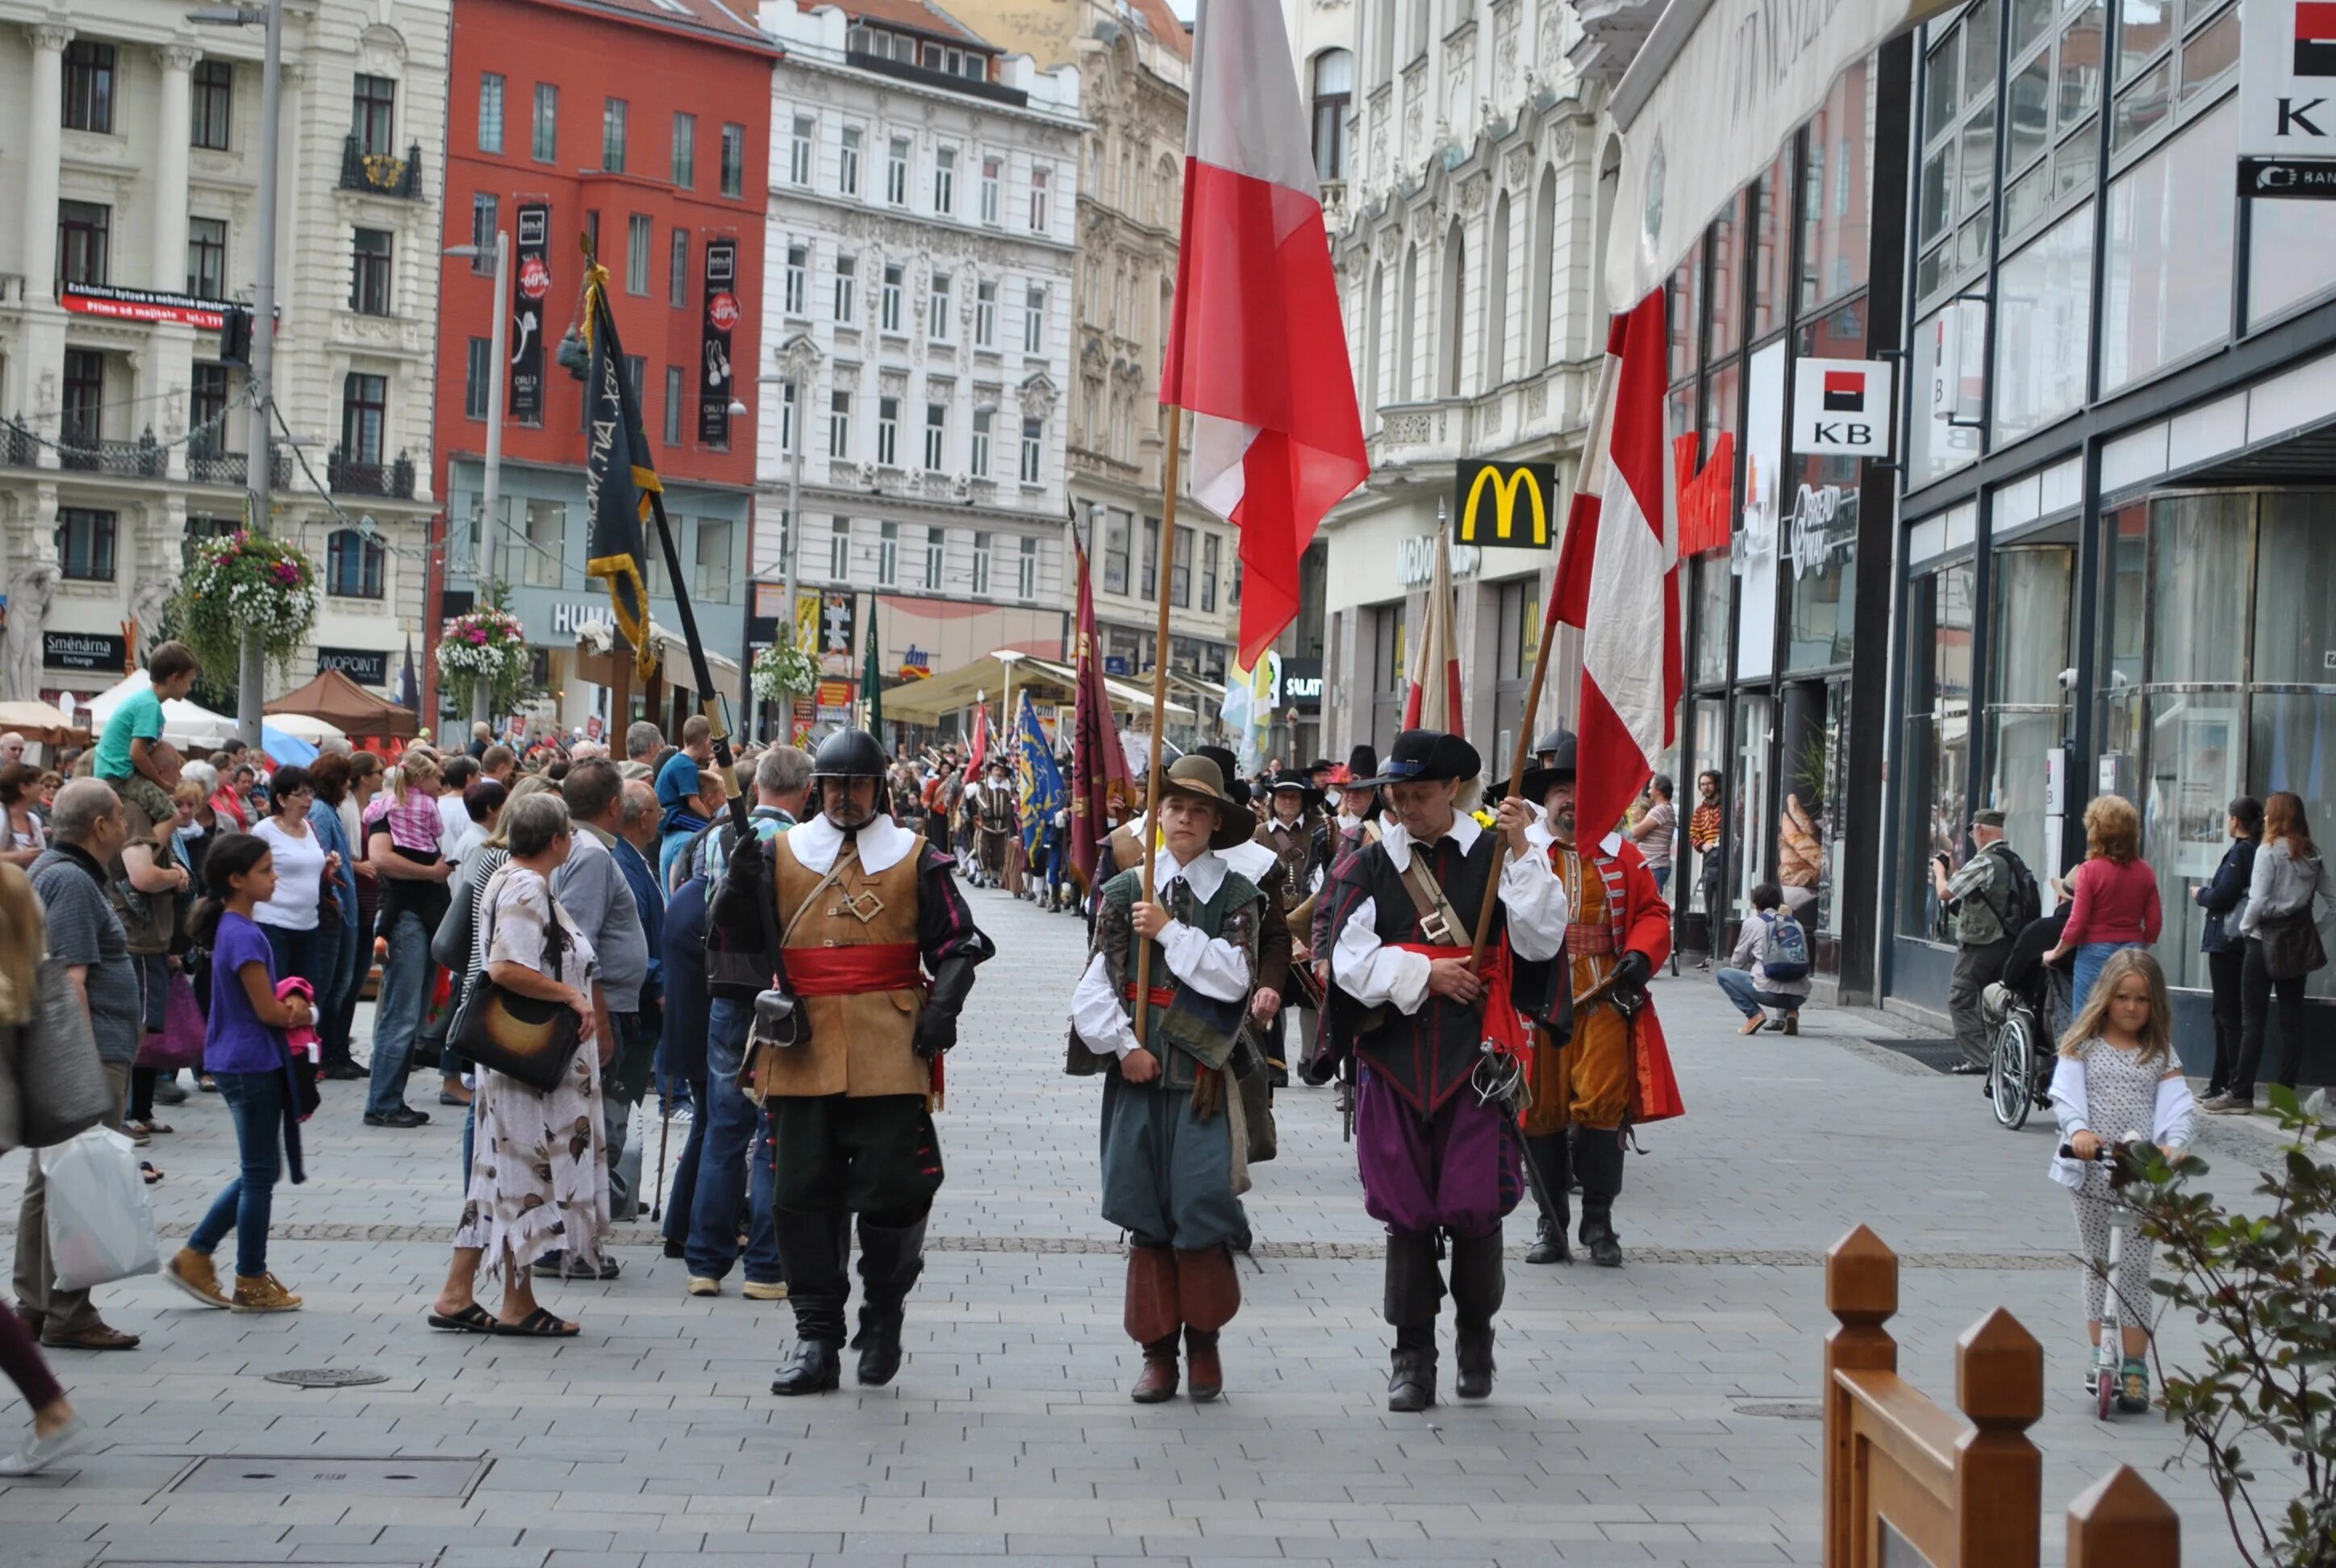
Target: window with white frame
x=896, y=172
x=491, y=112
x=684, y=150
x=839, y=550
x=1034, y=320
x=887, y=304
x=847, y=161
x=1034, y=439
x=1209, y=546
x=936, y=557
x=797, y=277
x=888, y=431
x=676, y=292
x=799, y=151
x=993, y=172
x=945, y=181
x=673, y=405
x=982, y=420
x=888, y=555
x=839, y=425
x=640, y=242
x=936, y=435
x=847, y=285
x=985, y=315
x=937, y=309
x=1025, y=571
x=1039, y=191
x=786, y=416
x=981, y=564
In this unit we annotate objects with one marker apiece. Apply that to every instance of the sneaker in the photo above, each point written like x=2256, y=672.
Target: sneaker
x=763, y=1290
x=265, y=1294
x=169, y=1092
x=2229, y=1106
x=702, y=1285
x=38, y=1453
x=340, y=1072
x=194, y=1273
x=1793, y=1023
x=2133, y=1386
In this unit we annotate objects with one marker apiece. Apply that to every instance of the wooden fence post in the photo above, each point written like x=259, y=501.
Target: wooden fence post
x=1861, y=1293
x=1999, y=1473
x=2121, y=1522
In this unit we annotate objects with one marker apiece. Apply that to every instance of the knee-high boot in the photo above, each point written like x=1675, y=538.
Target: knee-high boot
x=810, y=1247
x=891, y=1259
x=1154, y=1316
x=1210, y=1292
x=1415, y=1291
x=1478, y=1284
x=1598, y=1157
x=1546, y=1157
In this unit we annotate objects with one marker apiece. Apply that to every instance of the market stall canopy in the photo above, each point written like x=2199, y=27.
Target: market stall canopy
x=40, y=723
x=598, y=637
x=926, y=701
x=347, y=706
x=185, y=725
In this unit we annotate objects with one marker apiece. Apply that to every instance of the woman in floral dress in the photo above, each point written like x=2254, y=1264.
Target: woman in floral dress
x=539, y=1171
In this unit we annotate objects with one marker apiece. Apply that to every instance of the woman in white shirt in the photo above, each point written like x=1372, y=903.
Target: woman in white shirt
x=303, y=867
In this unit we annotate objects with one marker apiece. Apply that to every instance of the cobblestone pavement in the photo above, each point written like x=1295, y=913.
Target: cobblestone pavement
x=1620, y=1431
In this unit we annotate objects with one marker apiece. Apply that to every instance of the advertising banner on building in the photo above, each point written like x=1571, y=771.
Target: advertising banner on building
x=715, y=385
x=1841, y=407
x=1513, y=505
x=2287, y=100
x=531, y=285
x=113, y=304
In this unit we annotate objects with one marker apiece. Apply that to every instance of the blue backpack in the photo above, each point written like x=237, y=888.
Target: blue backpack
x=1783, y=948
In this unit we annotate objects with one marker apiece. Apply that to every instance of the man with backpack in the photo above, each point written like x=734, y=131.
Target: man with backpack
x=1993, y=896
x=1770, y=966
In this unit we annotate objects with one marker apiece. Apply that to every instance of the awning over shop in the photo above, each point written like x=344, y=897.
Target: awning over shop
x=926, y=701
x=41, y=724
x=347, y=706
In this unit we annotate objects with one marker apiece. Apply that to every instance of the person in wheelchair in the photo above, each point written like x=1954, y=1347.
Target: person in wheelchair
x=2044, y=991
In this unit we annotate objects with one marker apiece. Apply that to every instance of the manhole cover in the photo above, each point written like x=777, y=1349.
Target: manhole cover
x=286, y=1475
x=1939, y=1056
x=328, y=1377
x=1785, y=1409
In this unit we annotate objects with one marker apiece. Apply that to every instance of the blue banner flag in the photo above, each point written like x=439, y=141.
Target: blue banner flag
x=1037, y=778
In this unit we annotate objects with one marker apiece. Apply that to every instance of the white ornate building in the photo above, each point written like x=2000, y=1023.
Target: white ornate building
x=917, y=328
x=130, y=168
x=1462, y=232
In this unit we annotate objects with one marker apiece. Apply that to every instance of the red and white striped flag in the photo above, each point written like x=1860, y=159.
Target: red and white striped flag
x=1434, y=700
x=976, y=755
x=1257, y=348
x=1618, y=577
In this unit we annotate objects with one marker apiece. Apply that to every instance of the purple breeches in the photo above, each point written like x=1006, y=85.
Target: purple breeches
x=1459, y=1169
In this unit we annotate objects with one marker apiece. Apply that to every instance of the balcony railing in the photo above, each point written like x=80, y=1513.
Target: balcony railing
x=233, y=469
x=140, y=459
x=17, y=447
x=381, y=174
x=348, y=477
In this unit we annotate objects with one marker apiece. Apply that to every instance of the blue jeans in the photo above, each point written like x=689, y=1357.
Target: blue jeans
x=255, y=1102
x=397, y=1014
x=1738, y=985
x=354, y=961
x=681, y=1201
x=1662, y=876
x=2090, y=956
x=731, y=1123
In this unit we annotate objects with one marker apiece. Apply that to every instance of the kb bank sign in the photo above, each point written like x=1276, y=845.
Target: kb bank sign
x=2287, y=100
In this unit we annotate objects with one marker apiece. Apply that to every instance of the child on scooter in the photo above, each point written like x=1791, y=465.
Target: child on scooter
x=2118, y=1077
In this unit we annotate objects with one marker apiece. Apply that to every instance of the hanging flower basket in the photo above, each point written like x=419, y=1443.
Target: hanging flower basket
x=240, y=582
x=487, y=642
x=785, y=671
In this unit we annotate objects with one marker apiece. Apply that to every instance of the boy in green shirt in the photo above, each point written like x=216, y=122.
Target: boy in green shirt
x=131, y=756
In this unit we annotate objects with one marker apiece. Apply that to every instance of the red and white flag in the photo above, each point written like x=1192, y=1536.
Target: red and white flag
x=1257, y=349
x=976, y=755
x=1618, y=577
x=1434, y=700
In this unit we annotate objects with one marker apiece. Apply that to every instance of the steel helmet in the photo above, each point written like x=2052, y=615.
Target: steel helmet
x=850, y=754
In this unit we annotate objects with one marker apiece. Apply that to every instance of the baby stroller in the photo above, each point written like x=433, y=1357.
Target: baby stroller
x=2024, y=1025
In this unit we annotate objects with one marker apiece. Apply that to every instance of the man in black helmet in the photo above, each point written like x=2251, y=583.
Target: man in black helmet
x=878, y=949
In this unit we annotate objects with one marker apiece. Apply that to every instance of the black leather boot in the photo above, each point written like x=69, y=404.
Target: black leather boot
x=1478, y=1284
x=810, y=1251
x=1413, y=1291
x=891, y=1259
x=1598, y=1156
x=1546, y=1172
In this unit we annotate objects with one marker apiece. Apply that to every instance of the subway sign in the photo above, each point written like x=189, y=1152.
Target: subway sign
x=1508, y=506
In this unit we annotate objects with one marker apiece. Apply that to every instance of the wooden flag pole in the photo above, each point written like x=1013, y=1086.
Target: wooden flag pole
x=1166, y=562
x=1516, y=777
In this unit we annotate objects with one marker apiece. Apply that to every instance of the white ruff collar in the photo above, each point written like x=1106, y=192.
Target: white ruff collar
x=1204, y=873
x=883, y=843
x=1466, y=830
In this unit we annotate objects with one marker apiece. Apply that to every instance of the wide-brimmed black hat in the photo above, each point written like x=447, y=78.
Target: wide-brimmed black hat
x=1556, y=750
x=1362, y=763
x=1228, y=772
x=1301, y=780
x=1426, y=755
x=1199, y=776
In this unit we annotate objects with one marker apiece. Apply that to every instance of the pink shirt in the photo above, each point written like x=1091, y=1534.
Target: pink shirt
x=415, y=825
x=2113, y=903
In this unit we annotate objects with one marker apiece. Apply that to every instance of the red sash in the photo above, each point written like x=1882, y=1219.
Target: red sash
x=1502, y=1025
x=1161, y=995
x=852, y=971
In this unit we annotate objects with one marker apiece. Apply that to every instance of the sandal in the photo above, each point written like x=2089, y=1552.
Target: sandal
x=539, y=1324
x=147, y=1172
x=471, y=1319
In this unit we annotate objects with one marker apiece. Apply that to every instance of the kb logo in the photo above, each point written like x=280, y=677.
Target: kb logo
x=1511, y=506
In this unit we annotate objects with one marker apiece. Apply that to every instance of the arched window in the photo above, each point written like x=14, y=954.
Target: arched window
x=1449, y=327
x=1334, y=90
x=352, y=566
x=1406, y=340
x=1537, y=351
x=1496, y=351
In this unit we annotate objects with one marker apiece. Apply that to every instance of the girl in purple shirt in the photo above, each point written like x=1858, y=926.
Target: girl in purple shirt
x=244, y=1050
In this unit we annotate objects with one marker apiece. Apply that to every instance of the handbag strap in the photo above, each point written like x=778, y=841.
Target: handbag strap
x=555, y=937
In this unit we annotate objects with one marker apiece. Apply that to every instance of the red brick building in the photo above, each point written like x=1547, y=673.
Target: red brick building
x=645, y=123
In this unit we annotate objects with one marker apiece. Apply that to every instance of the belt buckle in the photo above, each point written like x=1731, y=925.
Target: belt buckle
x=1432, y=927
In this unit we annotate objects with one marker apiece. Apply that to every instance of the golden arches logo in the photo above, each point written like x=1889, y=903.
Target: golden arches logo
x=1530, y=481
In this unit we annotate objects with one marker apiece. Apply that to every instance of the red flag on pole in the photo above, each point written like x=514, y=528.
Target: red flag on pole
x=1099, y=776
x=1258, y=349
x=1618, y=577
x=1434, y=700
x=979, y=752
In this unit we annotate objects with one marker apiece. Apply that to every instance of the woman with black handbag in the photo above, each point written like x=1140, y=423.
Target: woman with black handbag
x=535, y=1027
x=2289, y=894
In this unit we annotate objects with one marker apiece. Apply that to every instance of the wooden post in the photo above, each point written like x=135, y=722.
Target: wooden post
x=2121, y=1522
x=1167, y=561
x=1999, y=1473
x=1861, y=1293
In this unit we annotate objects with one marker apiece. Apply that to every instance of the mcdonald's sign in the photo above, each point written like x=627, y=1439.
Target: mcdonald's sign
x=1508, y=506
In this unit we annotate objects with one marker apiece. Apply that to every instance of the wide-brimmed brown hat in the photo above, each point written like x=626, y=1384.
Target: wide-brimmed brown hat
x=1197, y=777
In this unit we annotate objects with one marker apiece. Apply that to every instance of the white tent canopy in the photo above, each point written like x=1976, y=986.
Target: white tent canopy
x=185, y=725
x=305, y=726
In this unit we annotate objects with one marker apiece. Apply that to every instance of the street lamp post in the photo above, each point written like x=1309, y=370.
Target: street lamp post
x=482, y=569
x=251, y=677
x=801, y=357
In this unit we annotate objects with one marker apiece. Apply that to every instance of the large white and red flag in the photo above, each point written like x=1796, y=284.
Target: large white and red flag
x=1434, y=700
x=1618, y=577
x=1257, y=349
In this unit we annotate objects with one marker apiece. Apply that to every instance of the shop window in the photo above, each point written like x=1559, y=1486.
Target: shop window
x=2027, y=716
x=1390, y=672
x=2042, y=343
x=1713, y=575
x=1772, y=216
x=2166, y=276
x=1936, y=753
x=1837, y=185
x=1686, y=313
x=1952, y=188
x=1517, y=606
x=547, y=542
x=1723, y=296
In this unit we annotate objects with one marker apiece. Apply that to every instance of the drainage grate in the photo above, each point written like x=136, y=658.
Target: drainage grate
x=1938, y=1055
x=1785, y=1409
x=328, y=1377
x=367, y=1476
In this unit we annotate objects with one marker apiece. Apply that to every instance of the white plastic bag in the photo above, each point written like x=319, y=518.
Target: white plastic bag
x=99, y=1226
